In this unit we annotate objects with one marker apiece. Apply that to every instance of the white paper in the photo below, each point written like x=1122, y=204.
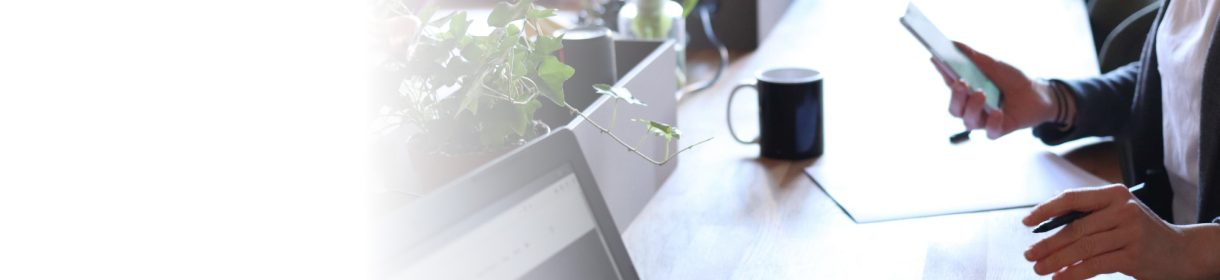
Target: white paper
x=926, y=178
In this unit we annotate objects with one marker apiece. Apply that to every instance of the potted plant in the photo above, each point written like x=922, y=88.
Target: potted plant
x=473, y=97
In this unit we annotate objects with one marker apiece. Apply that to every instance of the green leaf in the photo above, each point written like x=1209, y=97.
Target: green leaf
x=661, y=129
x=458, y=25
x=465, y=41
x=502, y=122
x=553, y=74
x=505, y=13
x=541, y=13
x=617, y=92
x=500, y=15
x=442, y=20
x=519, y=63
x=544, y=46
x=525, y=113
x=471, y=101
x=524, y=6
x=513, y=31
x=484, y=43
x=426, y=14
x=503, y=43
x=472, y=59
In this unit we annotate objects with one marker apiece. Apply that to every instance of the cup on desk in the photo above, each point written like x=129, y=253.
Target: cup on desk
x=789, y=113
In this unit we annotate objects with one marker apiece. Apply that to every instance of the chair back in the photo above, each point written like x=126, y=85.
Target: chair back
x=1106, y=15
x=1126, y=42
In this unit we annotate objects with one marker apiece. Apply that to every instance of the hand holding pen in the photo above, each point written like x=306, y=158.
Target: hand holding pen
x=1118, y=234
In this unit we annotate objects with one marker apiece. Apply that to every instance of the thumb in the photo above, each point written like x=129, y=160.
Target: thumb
x=985, y=63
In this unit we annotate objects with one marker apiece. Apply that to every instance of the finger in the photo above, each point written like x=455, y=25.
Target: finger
x=1082, y=199
x=1100, y=221
x=973, y=116
x=985, y=63
x=995, y=124
x=1103, y=264
x=943, y=73
x=957, y=102
x=1083, y=249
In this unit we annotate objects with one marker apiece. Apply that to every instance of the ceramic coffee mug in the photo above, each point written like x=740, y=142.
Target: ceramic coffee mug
x=789, y=113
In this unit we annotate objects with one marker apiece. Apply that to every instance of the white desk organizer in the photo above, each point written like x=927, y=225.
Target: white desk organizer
x=627, y=181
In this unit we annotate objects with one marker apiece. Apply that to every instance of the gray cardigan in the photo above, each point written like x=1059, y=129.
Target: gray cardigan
x=1126, y=103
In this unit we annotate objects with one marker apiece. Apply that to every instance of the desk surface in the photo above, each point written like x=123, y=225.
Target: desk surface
x=726, y=214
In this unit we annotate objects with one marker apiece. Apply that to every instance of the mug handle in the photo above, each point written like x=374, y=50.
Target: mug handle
x=729, y=112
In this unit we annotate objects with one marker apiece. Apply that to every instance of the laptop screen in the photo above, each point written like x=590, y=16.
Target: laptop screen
x=543, y=231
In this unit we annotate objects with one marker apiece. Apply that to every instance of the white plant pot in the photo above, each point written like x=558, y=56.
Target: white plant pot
x=627, y=182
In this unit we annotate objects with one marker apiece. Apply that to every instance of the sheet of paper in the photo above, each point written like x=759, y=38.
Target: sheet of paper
x=927, y=178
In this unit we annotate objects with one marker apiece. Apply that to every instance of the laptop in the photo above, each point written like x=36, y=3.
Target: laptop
x=535, y=213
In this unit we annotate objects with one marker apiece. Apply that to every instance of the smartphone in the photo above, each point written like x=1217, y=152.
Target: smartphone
x=948, y=56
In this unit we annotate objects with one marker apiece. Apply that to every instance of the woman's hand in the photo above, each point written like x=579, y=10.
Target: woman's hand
x=1120, y=235
x=1026, y=102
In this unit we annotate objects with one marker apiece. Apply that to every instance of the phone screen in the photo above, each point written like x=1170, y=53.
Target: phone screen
x=942, y=48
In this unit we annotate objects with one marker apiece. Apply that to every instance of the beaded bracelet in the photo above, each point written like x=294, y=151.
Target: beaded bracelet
x=1062, y=117
x=1058, y=102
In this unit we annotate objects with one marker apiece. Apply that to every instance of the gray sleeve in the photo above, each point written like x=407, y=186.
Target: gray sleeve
x=1103, y=104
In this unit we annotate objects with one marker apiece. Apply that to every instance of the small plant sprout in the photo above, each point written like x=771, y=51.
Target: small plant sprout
x=656, y=128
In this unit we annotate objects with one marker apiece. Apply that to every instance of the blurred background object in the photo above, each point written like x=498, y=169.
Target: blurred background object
x=740, y=24
x=450, y=4
x=652, y=19
x=1119, y=29
x=656, y=19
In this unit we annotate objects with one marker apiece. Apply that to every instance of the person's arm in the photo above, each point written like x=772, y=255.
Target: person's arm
x=1100, y=106
x=1089, y=107
x=1203, y=253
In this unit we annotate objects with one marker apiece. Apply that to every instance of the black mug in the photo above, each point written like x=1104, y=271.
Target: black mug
x=789, y=113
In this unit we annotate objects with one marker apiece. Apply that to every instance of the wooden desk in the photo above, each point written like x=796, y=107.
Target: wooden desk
x=726, y=214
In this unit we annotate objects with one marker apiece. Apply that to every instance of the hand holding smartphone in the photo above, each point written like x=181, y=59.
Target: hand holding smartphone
x=948, y=56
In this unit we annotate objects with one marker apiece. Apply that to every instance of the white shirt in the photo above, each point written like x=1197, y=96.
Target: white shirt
x=1182, y=40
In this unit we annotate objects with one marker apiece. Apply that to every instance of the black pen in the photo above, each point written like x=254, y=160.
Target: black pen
x=1060, y=221
x=1069, y=217
x=960, y=137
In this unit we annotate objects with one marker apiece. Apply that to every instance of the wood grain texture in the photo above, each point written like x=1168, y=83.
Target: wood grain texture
x=727, y=214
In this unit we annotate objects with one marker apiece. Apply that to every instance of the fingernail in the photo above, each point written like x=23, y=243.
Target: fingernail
x=1029, y=256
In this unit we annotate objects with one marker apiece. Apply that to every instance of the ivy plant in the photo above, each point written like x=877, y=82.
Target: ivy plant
x=476, y=93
